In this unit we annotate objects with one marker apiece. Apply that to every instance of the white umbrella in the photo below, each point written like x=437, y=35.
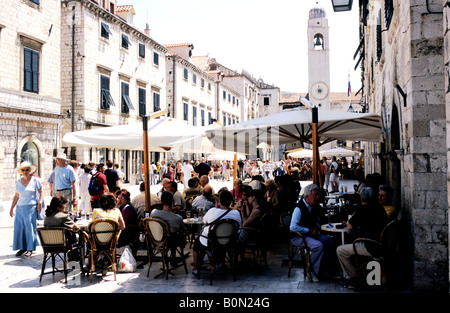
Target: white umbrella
x=227, y=156
x=303, y=153
x=163, y=134
x=294, y=126
x=338, y=152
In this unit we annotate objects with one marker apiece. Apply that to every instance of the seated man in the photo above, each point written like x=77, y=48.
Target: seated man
x=179, y=204
x=305, y=220
x=139, y=201
x=174, y=221
x=205, y=200
x=192, y=189
x=368, y=221
x=214, y=214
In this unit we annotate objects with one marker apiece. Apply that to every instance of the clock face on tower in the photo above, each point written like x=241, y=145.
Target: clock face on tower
x=319, y=91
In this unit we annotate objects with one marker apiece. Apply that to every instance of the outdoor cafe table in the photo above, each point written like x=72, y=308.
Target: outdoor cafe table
x=331, y=227
x=193, y=222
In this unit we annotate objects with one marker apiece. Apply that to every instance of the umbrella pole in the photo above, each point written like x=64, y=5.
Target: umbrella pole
x=315, y=143
x=235, y=167
x=146, y=164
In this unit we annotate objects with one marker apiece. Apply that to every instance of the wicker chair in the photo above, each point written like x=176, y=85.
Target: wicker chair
x=158, y=242
x=285, y=220
x=102, y=235
x=54, y=242
x=257, y=245
x=222, y=238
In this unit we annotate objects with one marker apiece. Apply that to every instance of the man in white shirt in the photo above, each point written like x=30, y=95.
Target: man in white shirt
x=213, y=214
x=187, y=170
x=333, y=175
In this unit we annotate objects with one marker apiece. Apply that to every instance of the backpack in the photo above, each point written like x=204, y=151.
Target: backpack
x=94, y=188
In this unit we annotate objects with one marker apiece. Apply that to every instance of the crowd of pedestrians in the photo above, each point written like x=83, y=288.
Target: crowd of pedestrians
x=261, y=193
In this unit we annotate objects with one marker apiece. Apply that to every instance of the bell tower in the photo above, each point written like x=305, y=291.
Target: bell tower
x=318, y=58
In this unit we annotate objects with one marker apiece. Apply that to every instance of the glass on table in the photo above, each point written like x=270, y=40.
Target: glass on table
x=188, y=216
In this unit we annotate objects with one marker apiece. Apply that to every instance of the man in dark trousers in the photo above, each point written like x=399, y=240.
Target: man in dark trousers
x=305, y=220
x=112, y=177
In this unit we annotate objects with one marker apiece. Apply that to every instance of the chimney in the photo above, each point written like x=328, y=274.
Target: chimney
x=147, y=30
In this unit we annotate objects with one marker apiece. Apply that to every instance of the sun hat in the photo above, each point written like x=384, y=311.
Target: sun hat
x=61, y=156
x=26, y=164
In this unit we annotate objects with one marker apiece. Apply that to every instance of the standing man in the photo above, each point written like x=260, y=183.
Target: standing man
x=334, y=175
x=112, y=177
x=187, y=171
x=305, y=220
x=202, y=168
x=102, y=184
x=163, y=170
x=63, y=181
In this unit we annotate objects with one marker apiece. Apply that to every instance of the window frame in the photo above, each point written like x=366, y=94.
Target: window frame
x=105, y=95
x=104, y=30
x=141, y=51
x=126, y=104
x=125, y=42
x=142, y=94
x=31, y=70
x=156, y=101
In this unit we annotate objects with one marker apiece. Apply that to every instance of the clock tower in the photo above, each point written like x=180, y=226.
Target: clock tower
x=318, y=59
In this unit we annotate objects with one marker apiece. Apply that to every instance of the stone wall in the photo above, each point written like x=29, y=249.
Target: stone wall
x=412, y=152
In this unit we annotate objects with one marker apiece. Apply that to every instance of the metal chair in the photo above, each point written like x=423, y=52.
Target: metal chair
x=285, y=220
x=222, y=238
x=54, y=242
x=158, y=242
x=102, y=236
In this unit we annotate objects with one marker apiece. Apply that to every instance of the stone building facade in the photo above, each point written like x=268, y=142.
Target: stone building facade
x=405, y=80
x=119, y=75
x=30, y=88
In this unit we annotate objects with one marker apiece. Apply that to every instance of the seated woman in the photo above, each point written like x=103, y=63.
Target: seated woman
x=251, y=215
x=56, y=217
x=130, y=217
x=237, y=191
x=108, y=210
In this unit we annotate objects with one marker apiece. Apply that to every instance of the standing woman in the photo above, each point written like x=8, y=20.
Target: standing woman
x=28, y=199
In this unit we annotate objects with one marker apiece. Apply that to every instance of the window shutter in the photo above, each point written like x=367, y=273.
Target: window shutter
x=35, y=71
x=142, y=102
x=28, y=76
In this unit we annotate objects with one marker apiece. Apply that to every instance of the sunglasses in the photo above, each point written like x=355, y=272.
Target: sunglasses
x=25, y=170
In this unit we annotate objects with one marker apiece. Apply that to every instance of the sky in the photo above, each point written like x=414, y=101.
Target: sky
x=266, y=38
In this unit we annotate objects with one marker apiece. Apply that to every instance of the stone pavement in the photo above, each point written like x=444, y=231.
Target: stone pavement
x=21, y=274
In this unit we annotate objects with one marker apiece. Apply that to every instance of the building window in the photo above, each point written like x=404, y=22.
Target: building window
x=142, y=50
x=224, y=120
x=142, y=102
x=266, y=100
x=224, y=95
x=209, y=118
x=202, y=117
x=202, y=83
x=185, y=111
x=379, y=37
x=388, y=11
x=35, y=1
x=209, y=86
x=186, y=73
x=194, y=78
x=237, y=101
x=31, y=70
x=105, y=32
x=194, y=116
x=234, y=99
x=156, y=102
x=126, y=101
x=105, y=98
x=125, y=42
x=156, y=58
